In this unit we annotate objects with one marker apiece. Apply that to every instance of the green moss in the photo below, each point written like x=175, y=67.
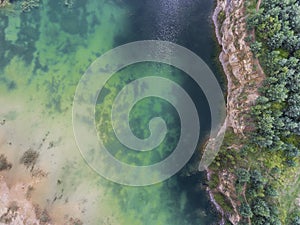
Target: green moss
x=214, y=181
x=223, y=202
x=221, y=17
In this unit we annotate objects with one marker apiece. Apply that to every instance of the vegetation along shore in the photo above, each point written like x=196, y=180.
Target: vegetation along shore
x=255, y=177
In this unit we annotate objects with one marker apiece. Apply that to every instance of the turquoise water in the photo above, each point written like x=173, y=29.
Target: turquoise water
x=44, y=53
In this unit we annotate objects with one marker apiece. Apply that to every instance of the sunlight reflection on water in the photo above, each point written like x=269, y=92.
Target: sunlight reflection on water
x=171, y=18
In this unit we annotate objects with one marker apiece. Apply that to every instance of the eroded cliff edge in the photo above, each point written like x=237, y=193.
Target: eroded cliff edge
x=244, y=76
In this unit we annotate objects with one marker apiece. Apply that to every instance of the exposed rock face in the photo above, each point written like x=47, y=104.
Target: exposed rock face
x=212, y=198
x=244, y=75
x=227, y=188
x=4, y=3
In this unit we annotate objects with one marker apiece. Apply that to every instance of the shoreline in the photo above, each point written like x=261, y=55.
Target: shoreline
x=213, y=201
x=244, y=75
x=217, y=28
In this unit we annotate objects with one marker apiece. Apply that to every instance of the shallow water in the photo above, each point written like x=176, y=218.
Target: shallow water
x=44, y=53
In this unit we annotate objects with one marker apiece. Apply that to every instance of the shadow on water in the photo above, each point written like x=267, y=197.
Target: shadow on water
x=183, y=199
x=192, y=29
x=186, y=23
x=27, y=36
x=72, y=20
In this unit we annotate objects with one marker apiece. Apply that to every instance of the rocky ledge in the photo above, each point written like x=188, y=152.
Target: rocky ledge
x=244, y=76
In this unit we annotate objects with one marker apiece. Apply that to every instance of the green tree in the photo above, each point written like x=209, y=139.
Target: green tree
x=260, y=208
x=256, y=48
x=271, y=191
x=295, y=220
x=243, y=175
x=245, y=210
